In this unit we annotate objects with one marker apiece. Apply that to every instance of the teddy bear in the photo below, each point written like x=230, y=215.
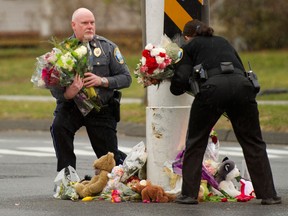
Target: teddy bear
x=102, y=166
x=152, y=193
x=226, y=172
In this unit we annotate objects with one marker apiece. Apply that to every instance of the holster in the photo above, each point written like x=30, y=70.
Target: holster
x=199, y=75
x=116, y=104
x=194, y=86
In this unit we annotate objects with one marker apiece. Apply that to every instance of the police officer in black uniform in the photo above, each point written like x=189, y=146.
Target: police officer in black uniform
x=212, y=70
x=109, y=73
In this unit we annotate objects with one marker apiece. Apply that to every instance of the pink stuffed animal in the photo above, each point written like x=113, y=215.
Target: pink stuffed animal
x=247, y=191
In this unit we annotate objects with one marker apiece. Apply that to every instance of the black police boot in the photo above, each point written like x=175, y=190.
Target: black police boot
x=271, y=201
x=183, y=199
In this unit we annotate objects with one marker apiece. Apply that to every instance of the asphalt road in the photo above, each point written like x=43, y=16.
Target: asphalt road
x=27, y=164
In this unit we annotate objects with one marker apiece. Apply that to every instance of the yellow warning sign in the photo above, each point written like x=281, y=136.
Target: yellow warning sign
x=176, y=13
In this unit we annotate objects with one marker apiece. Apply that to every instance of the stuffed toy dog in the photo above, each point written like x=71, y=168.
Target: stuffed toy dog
x=226, y=172
x=152, y=193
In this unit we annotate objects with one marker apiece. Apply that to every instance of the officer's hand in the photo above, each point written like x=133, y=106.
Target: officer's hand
x=91, y=80
x=74, y=88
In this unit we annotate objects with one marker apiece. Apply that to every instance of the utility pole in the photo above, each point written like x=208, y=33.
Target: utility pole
x=166, y=115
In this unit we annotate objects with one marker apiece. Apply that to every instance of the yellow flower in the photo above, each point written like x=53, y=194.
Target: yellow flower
x=88, y=198
x=91, y=92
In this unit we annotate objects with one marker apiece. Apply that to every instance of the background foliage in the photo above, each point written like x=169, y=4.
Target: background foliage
x=256, y=24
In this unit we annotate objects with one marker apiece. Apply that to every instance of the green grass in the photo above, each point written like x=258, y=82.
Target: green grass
x=17, y=66
x=273, y=118
x=44, y=110
x=270, y=67
x=26, y=110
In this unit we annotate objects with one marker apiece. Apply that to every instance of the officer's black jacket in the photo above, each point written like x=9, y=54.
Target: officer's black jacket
x=208, y=51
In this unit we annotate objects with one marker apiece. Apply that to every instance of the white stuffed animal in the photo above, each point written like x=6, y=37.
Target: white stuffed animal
x=114, y=179
x=227, y=172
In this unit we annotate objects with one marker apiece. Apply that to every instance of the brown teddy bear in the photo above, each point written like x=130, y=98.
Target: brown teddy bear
x=152, y=193
x=103, y=166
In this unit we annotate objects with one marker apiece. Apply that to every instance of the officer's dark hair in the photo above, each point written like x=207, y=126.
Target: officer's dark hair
x=197, y=28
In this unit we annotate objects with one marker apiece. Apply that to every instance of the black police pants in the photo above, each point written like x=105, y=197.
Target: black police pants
x=100, y=127
x=233, y=94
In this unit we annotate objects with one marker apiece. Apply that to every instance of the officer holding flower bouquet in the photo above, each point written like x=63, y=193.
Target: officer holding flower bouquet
x=107, y=73
x=212, y=70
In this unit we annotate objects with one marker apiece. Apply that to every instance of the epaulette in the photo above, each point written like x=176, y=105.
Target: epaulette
x=101, y=38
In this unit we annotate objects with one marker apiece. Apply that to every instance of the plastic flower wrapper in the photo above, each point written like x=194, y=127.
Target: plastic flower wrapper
x=156, y=63
x=57, y=69
x=210, y=160
x=177, y=166
x=175, y=180
x=134, y=161
x=64, y=182
x=46, y=74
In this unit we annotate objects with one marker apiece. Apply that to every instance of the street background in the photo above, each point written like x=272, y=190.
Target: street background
x=28, y=169
x=27, y=157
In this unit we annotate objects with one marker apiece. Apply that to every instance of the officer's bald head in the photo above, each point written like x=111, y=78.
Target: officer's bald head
x=80, y=12
x=83, y=24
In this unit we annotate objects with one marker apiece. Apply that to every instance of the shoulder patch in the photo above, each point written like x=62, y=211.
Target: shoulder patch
x=118, y=56
x=180, y=55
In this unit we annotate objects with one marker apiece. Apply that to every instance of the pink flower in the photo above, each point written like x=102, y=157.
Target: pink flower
x=143, y=68
x=162, y=65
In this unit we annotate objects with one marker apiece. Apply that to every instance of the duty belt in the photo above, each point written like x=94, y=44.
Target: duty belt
x=216, y=71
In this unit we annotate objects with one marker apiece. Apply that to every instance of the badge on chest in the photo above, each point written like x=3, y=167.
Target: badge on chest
x=97, y=51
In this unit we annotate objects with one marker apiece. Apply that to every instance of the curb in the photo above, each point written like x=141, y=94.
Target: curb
x=133, y=130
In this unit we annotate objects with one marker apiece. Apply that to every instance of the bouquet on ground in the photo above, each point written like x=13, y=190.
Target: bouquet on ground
x=157, y=62
x=57, y=69
x=210, y=160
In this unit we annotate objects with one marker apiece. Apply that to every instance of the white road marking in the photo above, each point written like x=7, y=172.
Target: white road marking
x=237, y=152
x=49, y=151
x=24, y=153
x=86, y=150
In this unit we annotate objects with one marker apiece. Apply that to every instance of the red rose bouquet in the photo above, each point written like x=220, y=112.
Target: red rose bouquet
x=156, y=63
